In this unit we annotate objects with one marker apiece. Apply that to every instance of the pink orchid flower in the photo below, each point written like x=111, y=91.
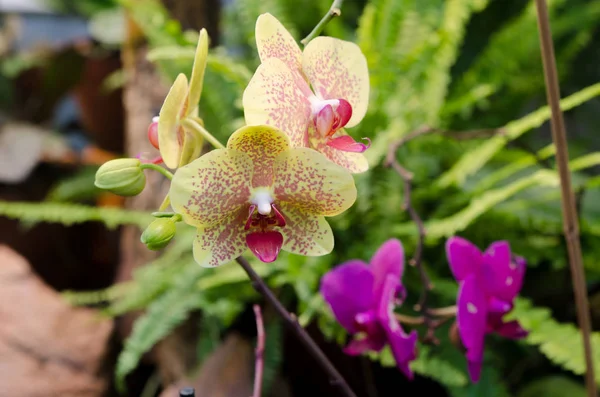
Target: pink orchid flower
x=280, y=93
x=362, y=298
x=262, y=194
x=488, y=284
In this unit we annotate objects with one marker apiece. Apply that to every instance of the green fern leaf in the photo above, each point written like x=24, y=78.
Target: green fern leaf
x=440, y=228
x=162, y=316
x=560, y=342
x=435, y=367
x=475, y=159
x=69, y=214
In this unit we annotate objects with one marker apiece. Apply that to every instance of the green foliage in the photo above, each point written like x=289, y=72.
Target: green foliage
x=559, y=342
x=161, y=317
x=553, y=386
x=79, y=187
x=69, y=214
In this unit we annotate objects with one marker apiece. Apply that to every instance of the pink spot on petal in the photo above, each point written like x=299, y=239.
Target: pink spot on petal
x=347, y=144
x=265, y=245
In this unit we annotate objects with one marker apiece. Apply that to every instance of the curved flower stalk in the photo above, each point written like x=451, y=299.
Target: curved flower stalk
x=280, y=94
x=178, y=144
x=260, y=193
x=362, y=298
x=488, y=285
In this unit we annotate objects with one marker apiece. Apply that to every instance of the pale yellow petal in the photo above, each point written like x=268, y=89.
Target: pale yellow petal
x=274, y=41
x=192, y=146
x=170, y=133
x=197, y=78
x=262, y=144
x=221, y=243
x=209, y=190
x=307, y=180
x=278, y=97
x=338, y=69
x=305, y=234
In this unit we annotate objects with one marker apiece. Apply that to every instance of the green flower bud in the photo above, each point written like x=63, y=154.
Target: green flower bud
x=121, y=176
x=159, y=233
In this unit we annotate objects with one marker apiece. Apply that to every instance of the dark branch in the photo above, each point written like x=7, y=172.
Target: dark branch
x=335, y=378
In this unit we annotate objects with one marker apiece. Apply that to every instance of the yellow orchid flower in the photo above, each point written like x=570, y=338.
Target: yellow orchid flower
x=177, y=144
x=260, y=193
x=280, y=93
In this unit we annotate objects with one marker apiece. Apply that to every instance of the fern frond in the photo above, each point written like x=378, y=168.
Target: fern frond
x=90, y=298
x=560, y=342
x=440, y=228
x=475, y=159
x=433, y=366
x=69, y=214
x=162, y=316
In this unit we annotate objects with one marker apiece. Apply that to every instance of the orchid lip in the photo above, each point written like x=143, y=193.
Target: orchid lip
x=265, y=245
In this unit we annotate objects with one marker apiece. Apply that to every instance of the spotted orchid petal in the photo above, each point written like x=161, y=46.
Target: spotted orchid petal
x=305, y=234
x=471, y=318
x=464, y=257
x=274, y=41
x=388, y=260
x=170, y=132
x=197, y=77
x=213, y=188
x=352, y=161
x=403, y=346
x=220, y=243
x=262, y=144
x=306, y=180
x=338, y=69
x=278, y=97
x=502, y=275
x=348, y=289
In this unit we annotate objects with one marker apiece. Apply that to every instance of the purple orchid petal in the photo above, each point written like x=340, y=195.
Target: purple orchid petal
x=388, y=260
x=503, y=276
x=471, y=318
x=403, y=346
x=512, y=330
x=349, y=291
x=265, y=245
x=358, y=346
x=463, y=256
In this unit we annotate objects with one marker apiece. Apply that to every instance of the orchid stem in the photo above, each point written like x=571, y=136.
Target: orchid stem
x=260, y=350
x=259, y=284
x=197, y=127
x=417, y=260
x=158, y=168
x=334, y=11
x=569, y=209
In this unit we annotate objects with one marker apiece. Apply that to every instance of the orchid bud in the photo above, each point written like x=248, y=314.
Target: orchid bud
x=159, y=233
x=124, y=177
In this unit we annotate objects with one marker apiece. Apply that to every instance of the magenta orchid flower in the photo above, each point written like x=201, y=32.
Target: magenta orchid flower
x=262, y=194
x=488, y=285
x=362, y=298
x=280, y=93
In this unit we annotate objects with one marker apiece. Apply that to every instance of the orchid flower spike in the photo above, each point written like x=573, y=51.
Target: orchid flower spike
x=262, y=194
x=177, y=144
x=280, y=93
x=488, y=285
x=362, y=298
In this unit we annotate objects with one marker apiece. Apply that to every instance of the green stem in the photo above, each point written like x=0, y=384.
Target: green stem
x=157, y=168
x=334, y=11
x=197, y=127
